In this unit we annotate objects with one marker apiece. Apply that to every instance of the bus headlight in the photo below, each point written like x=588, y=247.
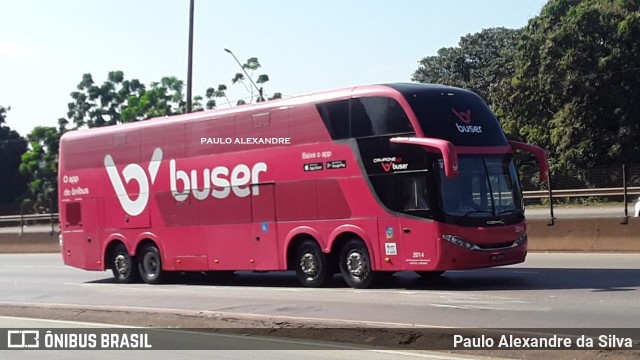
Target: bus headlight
x=60, y=240
x=457, y=240
x=521, y=239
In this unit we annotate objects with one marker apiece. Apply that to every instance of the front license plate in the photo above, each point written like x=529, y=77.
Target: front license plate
x=497, y=257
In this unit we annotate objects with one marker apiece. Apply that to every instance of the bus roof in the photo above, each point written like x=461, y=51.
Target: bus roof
x=310, y=99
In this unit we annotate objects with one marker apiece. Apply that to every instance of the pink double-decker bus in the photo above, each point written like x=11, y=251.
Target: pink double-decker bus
x=360, y=181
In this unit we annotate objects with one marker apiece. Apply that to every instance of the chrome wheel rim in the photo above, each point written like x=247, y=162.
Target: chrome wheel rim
x=309, y=265
x=121, y=263
x=356, y=264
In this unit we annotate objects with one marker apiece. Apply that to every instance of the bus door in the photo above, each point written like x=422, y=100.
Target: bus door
x=419, y=248
x=417, y=228
x=405, y=244
x=265, y=237
x=406, y=239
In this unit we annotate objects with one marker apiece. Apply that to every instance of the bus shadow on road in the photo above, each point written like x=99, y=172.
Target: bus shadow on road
x=599, y=280
x=596, y=280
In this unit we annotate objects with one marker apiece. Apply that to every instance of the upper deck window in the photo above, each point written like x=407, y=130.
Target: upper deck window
x=335, y=115
x=364, y=117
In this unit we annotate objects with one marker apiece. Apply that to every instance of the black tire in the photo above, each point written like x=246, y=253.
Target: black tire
x=150, y=265
x=311, y=265
x=430, y=274
x=355, y=265
x=123, y=266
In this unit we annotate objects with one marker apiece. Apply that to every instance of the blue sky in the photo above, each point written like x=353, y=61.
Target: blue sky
x=304, y=46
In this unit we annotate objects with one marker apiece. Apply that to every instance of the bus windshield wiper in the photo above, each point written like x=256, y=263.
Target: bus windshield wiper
x=476, y=211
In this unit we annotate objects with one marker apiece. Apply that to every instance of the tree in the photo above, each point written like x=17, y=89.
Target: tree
x=482, y=62
x=3, y=114
x=576, y=90
x=12, y=146
x=220, y=92
x=40, y=164
x=96, y=106
x=164, y=98
x=252, y=65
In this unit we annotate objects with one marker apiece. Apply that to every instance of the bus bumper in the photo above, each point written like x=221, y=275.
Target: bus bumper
x=454, y=257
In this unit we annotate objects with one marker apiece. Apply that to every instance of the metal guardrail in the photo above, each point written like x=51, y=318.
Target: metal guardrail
x=552, y=194
x=28, y=217
x=51, y=218
x=598, y=192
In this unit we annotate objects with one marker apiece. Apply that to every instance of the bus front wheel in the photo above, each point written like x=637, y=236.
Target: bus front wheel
x=311, y=265
x=123, y=265
x=355, y=264
x=150, y=265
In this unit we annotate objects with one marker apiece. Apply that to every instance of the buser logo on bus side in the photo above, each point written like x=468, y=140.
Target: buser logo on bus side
x=224, y=181
x=241, y=176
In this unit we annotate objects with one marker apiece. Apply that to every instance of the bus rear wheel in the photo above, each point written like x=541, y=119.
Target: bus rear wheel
x=123, y=266
x=311, y=265
x=150, y=265
x=355, y=265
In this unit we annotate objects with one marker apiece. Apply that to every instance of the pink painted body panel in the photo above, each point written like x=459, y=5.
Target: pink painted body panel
x=248, y=226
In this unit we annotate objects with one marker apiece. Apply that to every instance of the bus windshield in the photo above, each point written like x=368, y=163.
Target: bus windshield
x=486, y=187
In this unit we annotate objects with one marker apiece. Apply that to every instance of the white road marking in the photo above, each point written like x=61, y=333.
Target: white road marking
x=67, y=322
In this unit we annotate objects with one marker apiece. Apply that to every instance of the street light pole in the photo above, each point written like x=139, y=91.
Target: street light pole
x=260, y=97
x=190, y=57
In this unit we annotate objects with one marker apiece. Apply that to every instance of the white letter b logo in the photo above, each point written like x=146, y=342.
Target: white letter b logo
x=133, y=172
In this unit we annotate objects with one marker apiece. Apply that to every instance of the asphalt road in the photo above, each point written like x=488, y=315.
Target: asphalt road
x=547, y=291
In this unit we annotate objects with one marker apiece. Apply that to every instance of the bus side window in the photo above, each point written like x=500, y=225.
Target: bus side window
x=364, y=117
x=335, y=115
x=360, y=121
x=384, y=116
